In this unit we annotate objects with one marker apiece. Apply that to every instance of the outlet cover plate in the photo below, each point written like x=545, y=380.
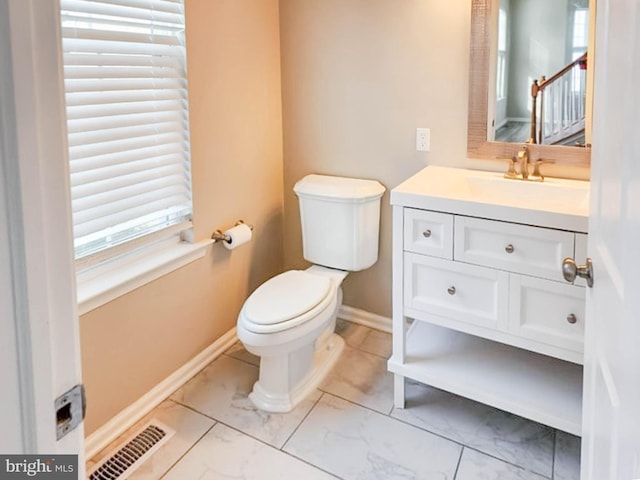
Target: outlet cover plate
x=423, y=139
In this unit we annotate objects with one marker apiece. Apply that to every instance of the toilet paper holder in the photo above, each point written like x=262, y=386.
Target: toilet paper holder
x=218, y=235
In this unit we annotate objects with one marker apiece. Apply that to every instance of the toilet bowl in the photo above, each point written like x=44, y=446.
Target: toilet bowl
x=289, y=322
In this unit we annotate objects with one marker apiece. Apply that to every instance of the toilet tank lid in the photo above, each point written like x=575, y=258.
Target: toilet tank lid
x=338, y=187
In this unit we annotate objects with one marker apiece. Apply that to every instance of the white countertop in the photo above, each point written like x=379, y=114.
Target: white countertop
x=554, y=203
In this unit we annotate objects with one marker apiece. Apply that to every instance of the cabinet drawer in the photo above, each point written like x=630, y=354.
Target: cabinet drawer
x=544, y=311
x=516, y=248
x=429, y=233
x=466, y=293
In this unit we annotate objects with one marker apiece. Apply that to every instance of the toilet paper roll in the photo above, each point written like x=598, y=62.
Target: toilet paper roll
x=238, y=235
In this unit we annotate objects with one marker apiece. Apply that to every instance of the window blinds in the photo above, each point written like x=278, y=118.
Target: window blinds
x=127, y=118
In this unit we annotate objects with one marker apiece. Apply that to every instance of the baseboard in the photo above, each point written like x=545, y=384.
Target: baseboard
x=362, y=317
x=519, y=119
x=134, y=412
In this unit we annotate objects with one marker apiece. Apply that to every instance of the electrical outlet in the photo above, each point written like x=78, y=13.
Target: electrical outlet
x=423, y=139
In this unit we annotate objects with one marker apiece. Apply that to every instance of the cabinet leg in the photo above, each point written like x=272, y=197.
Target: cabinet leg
x=398, y=391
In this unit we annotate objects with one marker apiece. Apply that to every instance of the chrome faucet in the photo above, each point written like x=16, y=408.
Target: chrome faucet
x=523, y=158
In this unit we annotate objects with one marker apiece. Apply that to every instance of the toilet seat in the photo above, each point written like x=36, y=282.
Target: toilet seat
x=287, y=300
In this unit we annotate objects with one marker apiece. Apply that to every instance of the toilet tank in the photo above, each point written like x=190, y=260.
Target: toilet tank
x=340, y=220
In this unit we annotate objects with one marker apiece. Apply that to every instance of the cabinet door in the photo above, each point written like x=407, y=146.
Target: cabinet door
x=466, y=293
x=429, y=233
x=548, y=312
x=517, y=248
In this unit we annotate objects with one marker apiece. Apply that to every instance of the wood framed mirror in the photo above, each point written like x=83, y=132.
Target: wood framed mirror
x=478, y=147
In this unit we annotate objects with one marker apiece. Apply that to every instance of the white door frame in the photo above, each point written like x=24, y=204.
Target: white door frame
x=37, y=218
x=611, y=413
x=11, y=441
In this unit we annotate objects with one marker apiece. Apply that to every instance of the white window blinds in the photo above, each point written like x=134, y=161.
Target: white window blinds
x=127, y=117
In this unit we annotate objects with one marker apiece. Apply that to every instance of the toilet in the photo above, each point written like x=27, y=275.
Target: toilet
x=289, y=321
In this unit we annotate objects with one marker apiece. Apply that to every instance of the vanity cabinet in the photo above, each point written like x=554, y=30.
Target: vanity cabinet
x=498, y=280
x=480, y=309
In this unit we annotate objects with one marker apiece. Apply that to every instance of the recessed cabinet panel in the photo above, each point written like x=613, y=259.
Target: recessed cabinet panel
x=461, y=292
x=429, y=233
x=581, y=247
x=512, y=247
x=548, y=312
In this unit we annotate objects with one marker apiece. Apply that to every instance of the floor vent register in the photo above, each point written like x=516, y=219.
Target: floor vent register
x=131, y=453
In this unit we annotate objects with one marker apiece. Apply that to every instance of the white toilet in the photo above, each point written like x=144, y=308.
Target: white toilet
x=289, y=321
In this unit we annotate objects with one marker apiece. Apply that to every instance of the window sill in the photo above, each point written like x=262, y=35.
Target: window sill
x=103, y=283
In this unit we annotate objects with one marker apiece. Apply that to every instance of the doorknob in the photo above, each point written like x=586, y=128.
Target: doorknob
x=570, y=270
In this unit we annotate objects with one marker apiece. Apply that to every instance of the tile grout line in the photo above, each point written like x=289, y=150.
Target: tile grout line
x=469, y=447
x=360, y=405
x=519, y=467
x=280, y=449
x=358, y=347
x=303, y=419
x=455, y=473
x=389, y=415
x=323, y=393
x=193, y=409
x=166, y=472
x=267, y=444
x=329, y=394
x=239, y=359
x=555, y=450
x=403, y=422
x=424, y=429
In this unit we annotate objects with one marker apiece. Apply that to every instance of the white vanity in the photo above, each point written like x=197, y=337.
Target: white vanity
x=480, y=307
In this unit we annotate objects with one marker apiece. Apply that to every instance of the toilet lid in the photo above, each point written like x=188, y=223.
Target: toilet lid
x=286, y=296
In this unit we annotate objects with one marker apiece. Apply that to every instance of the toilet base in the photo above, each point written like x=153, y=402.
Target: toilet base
x=324, y=359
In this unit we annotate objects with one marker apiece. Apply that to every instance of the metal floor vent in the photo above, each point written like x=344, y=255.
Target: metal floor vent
x=132, y=452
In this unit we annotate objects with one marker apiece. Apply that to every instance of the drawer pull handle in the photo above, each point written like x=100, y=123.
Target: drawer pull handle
x=571, y=318
x=509, y=248
x=426, y=233
x=451, y=290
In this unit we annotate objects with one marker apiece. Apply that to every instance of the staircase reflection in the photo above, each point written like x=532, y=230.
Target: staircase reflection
x=558, y=106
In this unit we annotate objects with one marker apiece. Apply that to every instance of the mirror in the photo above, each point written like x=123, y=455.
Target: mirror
x=539, y=47
x=484, y=105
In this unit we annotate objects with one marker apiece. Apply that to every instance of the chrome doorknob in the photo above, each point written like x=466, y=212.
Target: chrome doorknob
x=570, y=270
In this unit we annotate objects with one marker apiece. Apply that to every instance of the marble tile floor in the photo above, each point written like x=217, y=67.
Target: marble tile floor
x=348, y=429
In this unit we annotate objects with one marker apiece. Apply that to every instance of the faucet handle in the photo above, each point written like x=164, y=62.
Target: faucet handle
x=536, y=176
x=524, y=151
x=511, y=172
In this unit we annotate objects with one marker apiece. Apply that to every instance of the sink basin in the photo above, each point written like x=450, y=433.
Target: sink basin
x=551, y=193
x=556, y=203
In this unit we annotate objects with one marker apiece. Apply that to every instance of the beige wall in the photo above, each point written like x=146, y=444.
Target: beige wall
x=358, y=77
x=136, y=341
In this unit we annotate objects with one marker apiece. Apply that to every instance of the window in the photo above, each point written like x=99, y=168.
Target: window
x=127, y=117
x=501, y=77
x=579, y=44
x=580, y=39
